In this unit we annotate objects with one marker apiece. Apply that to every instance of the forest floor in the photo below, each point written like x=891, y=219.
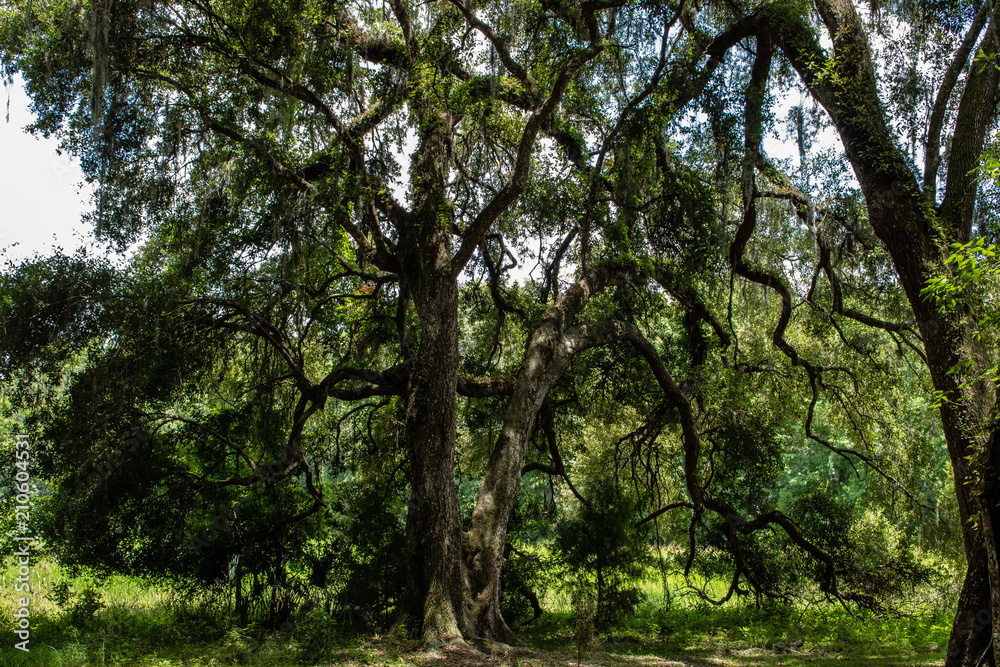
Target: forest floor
x=633, y=653
x=123, y=622
x=373, y=654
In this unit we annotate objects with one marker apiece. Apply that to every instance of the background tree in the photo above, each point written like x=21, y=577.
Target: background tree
x=605, y=541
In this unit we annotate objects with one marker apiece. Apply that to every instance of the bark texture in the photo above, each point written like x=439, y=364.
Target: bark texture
x=552, y=344
x=433, y=529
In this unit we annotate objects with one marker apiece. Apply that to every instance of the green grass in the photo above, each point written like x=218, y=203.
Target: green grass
x=741, y=633
x=126, y=621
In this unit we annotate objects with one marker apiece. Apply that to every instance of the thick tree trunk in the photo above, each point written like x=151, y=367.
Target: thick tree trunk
x=552, y=344
x=970, y=636
x=438, y=591
x=438, y=595
x=965, y=418
x=456, y=589
x=989, y=509
x=894, y=206
x=904, y=225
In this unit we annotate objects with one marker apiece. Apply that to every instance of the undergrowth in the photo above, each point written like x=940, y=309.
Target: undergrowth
x=81, y=620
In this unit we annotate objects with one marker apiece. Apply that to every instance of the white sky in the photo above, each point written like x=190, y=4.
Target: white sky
x=42, y=194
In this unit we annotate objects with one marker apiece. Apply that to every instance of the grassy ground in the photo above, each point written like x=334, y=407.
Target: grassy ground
x=126, y=622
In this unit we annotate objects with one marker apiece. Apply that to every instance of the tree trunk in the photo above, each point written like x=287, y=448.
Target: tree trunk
x=965, y=415
x=498, y=491
x=904, y=225
x=438, y=595
x=989, y=509
x=552, y=344
x=438, y=586
x=965, y=418
x=969, y=639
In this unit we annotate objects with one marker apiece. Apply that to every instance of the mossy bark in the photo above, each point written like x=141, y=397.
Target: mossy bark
x=438, y=585
x=438, y=588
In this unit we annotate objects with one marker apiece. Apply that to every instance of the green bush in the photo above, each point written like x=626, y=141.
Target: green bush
x=603, y=542
x=79, y=610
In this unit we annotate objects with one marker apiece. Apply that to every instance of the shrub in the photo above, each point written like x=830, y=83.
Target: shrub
x=603, y=542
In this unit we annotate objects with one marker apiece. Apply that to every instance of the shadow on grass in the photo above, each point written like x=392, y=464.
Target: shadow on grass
x=143, y=627
x=164, y=648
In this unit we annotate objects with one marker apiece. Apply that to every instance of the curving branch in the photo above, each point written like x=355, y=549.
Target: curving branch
x=753, y=161
x=500, y=45
x=376, y=50
x=932, y=145
x=551, y=284
x=256, y=324
x=518, y=180
x=662, y=510
x=807, y=210
x=701, y=498
x=668, y=278
x=558, y=468
x=553, y=342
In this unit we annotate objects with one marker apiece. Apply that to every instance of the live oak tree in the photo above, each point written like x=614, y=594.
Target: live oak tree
x=257, y=150
x=913, y=221
x=298, y=104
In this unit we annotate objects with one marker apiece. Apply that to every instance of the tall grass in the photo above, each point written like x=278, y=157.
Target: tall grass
x=681, y=622
x=79, y=620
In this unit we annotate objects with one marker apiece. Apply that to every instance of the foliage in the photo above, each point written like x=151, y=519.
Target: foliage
x=603, y=542
x=364, y=562
x=747, y=461
x=969, y=288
